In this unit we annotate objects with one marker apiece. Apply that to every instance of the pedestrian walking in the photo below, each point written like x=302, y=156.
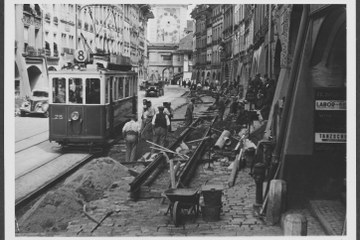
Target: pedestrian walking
x=189, y=112
x=148, y=114
x=131, y=132
x=160, y=123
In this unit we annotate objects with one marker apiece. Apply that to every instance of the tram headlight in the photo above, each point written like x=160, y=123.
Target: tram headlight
x=75, y=116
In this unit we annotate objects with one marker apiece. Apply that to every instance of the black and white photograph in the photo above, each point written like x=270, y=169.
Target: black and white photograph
x=161, y=119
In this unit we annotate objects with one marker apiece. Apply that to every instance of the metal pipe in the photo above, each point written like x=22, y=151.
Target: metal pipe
x=222, y=140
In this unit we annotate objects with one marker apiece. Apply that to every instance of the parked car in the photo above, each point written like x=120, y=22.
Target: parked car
x=154, y=89
x=38, y=103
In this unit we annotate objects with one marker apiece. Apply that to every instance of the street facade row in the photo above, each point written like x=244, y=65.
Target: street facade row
x=49, y=37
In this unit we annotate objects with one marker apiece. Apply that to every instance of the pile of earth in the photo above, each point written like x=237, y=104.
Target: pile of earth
x=52, y=212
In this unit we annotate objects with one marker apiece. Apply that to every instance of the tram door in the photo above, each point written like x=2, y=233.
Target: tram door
x=75, y=111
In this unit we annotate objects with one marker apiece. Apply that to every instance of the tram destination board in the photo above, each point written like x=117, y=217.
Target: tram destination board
x=330, y=118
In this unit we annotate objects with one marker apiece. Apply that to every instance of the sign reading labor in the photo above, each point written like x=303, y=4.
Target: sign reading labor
x=80, y=55
x=328, y=105
x=330, y=116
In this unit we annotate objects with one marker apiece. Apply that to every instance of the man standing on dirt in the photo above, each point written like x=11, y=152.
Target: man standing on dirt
x=131, y=132
x=147, y=117
x=160, y=123
x=189, y=112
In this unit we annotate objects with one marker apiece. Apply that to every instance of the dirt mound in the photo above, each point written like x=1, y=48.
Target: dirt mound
x=54, y=210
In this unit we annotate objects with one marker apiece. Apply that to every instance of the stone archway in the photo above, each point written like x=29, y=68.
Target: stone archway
x=165, y=74
x=34, y=74
x=208, y=77
x=17, y=80
x=52, y=68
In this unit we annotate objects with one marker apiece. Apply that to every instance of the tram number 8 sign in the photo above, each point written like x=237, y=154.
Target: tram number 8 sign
x=80, y=55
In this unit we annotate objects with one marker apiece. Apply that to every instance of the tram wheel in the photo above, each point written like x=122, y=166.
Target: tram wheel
x=176, y=213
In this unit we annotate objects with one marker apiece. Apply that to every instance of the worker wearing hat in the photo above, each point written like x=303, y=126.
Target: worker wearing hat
x=131, y=132
x=160, y=123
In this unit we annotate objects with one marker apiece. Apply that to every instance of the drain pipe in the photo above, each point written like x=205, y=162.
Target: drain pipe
x=276, y=158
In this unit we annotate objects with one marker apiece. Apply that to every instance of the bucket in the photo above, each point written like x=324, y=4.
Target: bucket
x=210, y=213
x=212, y=195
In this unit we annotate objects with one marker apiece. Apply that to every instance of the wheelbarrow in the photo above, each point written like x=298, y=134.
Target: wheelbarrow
x=182, y=201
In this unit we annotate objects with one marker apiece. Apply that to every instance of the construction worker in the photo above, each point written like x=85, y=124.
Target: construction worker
x=189, y=112
x=169, y=112
x=131, y=132
x=147, y=116
x=221, y=107
x=160, y=123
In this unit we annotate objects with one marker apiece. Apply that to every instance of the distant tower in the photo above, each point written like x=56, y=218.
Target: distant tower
x=169, y=23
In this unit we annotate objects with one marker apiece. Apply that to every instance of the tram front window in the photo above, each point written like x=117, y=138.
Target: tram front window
x=59, y=93
x=92, y=91
x=75, y=90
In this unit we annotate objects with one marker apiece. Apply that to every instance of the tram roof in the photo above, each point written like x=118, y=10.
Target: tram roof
x=90, y=71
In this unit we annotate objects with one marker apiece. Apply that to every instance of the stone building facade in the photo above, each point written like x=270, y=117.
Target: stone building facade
x=53, y=32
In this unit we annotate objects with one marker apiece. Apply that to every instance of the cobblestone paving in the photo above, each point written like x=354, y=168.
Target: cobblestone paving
x=146, y=217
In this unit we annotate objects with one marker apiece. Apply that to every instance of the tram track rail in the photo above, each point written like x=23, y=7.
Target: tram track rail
x=136, y=184
x=156, y=168
x=36, y=181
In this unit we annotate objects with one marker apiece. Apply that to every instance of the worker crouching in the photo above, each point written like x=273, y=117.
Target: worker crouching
x=131, y=132
x=160, y=123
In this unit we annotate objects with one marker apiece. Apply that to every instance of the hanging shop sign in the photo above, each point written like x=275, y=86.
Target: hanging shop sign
x=330, y=116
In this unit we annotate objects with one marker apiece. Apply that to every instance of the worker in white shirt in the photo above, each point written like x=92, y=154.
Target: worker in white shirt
x=131, y=132
x=160, y=123
x=148, y=114
x=169, y=112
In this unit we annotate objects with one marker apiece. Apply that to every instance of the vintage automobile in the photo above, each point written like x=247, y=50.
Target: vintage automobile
x=38, y=103
x=154, y=89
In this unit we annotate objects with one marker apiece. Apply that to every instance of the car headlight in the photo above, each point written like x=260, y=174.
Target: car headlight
x=75, y=115
x=25, y=104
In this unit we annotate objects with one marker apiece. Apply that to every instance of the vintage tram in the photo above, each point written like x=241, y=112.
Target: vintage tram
x=87, y=105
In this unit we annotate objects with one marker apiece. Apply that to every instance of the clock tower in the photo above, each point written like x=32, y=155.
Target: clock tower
x=168, y=24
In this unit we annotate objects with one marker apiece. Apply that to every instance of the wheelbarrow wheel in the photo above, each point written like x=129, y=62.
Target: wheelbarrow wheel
x=176, y=213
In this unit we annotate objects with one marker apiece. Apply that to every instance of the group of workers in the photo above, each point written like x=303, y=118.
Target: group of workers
x=154, y=125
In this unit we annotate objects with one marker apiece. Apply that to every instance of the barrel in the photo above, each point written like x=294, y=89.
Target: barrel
x=212, y=202
x=212, y=194
x=210, y=213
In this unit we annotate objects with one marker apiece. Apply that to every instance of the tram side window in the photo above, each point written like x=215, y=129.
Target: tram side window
x=92, y=91
x=59, y=93
x=75, y=90
x=131, y=91
x=121, y=88
x=127, y=87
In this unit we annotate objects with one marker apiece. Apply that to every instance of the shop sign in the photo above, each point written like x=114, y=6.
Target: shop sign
x=330, y=115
